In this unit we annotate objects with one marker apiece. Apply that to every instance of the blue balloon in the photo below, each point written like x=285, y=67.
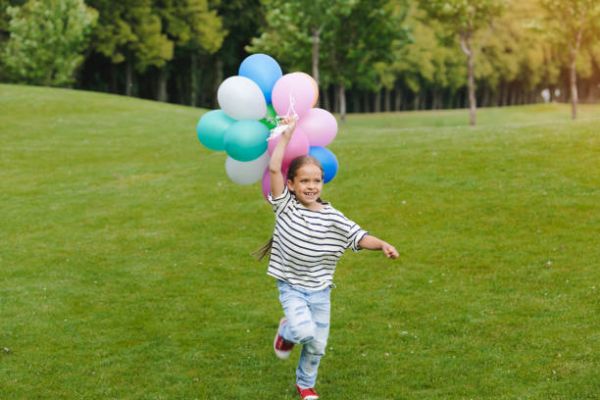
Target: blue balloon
x=211, y=129
x=327, y=159
x=246, y=140
x=263, y=70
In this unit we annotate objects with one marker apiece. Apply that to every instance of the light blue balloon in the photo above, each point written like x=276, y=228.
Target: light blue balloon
x=211, y=129
x=263, y=70
x=246, y=140
x=327, y=159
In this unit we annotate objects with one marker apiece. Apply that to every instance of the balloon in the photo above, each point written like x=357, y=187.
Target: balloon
x=211, y=129
x=263, y=70
x=320, y=126
x=297, y=87
x=246, y=173
x=271, y=119
x=328, y=161
x=241, y=98
x=246, y=140
x=298, y=146
x=266, y=181
x=315, y=88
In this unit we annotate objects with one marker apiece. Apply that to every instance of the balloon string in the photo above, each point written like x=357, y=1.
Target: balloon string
x=291, y=108
x=280, y=128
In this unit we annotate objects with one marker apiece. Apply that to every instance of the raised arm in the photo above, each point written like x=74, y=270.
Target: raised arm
x=372, y=243
x=277, y=178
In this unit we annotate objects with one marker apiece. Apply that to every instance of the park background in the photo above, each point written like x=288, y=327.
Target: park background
x=124, y=249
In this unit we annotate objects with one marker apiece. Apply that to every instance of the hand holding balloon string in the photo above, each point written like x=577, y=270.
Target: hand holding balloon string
x=285, y=124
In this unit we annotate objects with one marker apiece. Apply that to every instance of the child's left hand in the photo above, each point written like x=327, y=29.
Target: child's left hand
x=389, y=251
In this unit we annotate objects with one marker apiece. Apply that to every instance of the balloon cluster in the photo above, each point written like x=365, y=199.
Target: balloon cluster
x=250, y=105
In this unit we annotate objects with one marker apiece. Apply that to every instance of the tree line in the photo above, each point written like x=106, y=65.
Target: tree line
x=366, y=55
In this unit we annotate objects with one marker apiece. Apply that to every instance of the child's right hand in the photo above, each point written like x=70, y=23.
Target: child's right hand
x=291, y=126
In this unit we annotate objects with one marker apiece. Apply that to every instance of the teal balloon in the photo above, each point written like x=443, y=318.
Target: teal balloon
x=246, y=140
x=211, y=129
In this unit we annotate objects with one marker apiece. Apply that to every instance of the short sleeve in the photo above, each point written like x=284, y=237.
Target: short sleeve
x=281, y=201
x=355, y=235
x=352, y=232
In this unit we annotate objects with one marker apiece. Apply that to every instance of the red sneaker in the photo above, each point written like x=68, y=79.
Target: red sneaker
x=307, y=394
x=282, y=347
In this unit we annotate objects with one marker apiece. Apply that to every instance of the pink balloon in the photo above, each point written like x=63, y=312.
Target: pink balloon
x=266, y=184
x=266, y=181
x=297, y=86
x=320, y=126
x=297, y=147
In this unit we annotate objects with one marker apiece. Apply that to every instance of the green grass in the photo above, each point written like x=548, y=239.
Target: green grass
x=125, y=267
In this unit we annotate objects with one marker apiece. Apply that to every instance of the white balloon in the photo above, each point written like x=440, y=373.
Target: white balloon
x=241, y=98
x=246, y=173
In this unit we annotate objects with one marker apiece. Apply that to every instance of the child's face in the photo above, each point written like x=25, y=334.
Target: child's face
x=307, y=185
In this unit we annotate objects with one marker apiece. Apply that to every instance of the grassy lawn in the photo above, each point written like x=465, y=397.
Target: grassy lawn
x=126, y=274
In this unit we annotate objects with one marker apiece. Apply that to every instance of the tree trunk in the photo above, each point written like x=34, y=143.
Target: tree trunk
x=316, y=41
x=398, y=102
x=573, y=73
x=378, y=101
x=387, y=103
x=326, y=99
x=193, y=79
x=435, y=99
x=355, y=102
x=129, y=78
x=342, y=99
x=466, y=48
x=217, y=81
x=163, y=76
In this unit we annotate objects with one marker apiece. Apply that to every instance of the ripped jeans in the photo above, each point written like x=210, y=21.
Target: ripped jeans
x=307, y=313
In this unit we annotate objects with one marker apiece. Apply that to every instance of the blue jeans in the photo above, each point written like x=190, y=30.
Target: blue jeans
x=307, y=313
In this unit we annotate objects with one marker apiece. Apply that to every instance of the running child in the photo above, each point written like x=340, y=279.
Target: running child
x=309, y=238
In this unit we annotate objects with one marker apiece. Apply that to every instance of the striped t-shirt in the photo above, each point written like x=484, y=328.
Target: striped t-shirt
x=308, y=244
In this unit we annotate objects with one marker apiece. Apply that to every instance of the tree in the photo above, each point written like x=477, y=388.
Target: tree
x=129, y=32
x=573, y=22
x=464, y=18
x=430, y=63
x=340, y=41
x=47, y=39
x=361, y=46
x=297, y=30
x=192, y=27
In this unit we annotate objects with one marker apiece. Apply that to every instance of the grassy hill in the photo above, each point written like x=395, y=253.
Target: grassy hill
x=125, y=267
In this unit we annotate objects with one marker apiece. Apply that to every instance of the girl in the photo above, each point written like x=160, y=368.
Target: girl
x=309, y=238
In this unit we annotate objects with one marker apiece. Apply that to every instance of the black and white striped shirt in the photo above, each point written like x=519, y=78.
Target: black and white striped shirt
x=307, y=244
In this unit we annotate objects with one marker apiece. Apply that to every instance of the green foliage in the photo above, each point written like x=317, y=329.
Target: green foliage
x=130, y=30
x=355, y=38
x=47, y=41
x=431, y=59
x=463, y=16
x=290, y=25
x=242, y=20
x=572, y=25
x=511, y=50
x=190, y=23
x=362, y=44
